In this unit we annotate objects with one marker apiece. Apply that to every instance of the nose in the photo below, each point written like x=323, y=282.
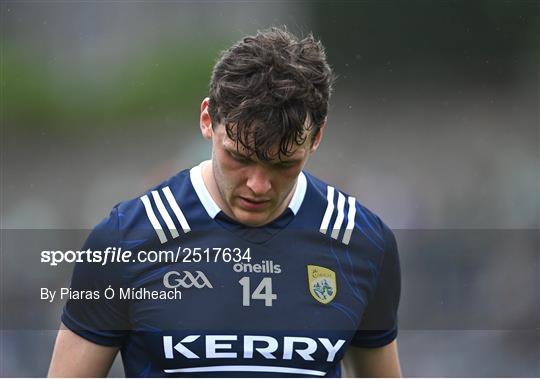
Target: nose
x=259, y=180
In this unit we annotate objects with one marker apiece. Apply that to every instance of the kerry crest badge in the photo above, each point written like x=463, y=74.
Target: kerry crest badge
x=322, y=283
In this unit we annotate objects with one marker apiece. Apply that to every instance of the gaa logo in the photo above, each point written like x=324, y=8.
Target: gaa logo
x=174, y=279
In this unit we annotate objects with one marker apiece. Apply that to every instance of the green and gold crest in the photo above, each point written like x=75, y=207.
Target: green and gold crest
x=322, y=283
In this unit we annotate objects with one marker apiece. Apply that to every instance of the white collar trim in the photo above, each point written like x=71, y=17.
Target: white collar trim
x=299, y=193
x=195, y=174
x=211, y=207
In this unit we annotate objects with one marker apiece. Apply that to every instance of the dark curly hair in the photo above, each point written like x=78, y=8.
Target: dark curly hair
x=270, y=88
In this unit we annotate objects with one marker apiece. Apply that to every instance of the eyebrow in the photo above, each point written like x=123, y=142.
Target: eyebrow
x=235, y=152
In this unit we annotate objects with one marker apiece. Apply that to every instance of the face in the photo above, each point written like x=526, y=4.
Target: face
x=249, y=190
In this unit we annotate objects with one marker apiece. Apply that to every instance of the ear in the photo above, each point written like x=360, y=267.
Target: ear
x=318, y=137
x=205, y=121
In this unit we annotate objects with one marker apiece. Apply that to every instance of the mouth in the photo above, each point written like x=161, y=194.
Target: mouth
x=253, y=204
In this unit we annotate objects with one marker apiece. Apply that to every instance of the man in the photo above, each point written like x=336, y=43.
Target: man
x=280, y=274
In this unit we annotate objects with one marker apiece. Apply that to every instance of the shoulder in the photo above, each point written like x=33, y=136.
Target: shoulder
x=345, y=219
x=154, y=216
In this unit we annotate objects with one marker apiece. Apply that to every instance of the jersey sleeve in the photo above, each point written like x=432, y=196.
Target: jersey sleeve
x=102, y=321
x=378, y=326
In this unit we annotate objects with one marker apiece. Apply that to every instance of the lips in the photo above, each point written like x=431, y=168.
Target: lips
x=253, y=204
x=256, y=201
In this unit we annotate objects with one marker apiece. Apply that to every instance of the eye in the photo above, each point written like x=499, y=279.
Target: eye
x=286, y=165
x=239, y=158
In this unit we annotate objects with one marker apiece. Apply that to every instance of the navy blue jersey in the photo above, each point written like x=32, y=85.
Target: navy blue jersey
x=284, y=299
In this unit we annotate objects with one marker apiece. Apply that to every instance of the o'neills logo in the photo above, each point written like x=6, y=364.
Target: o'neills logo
x=267, y=267
x=174, y=279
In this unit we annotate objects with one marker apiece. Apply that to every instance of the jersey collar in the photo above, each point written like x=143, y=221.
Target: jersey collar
x=195, y=174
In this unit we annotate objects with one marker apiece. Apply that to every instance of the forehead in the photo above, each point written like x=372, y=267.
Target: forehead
x=297, y=151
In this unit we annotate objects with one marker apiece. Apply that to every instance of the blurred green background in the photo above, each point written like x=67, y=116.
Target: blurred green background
x=56, y=75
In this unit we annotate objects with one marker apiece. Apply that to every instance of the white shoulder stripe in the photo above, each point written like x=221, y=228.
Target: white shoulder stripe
x=340, y=215
x=164, y=214
x=153, y=219
x=176, y=209
x=350, y=220
x=338, y=223
x=329, y=209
